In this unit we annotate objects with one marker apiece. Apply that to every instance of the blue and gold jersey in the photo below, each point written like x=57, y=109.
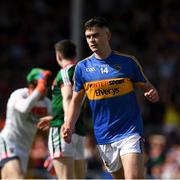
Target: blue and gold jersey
x=109, y=86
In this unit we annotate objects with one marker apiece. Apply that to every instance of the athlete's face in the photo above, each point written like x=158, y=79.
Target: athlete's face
x=97, y=38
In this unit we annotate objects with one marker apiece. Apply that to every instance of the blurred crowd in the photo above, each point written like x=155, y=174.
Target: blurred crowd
x=149, y=30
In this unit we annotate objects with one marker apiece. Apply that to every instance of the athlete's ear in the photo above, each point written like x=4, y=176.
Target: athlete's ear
x=58, y=57
x=109, y=35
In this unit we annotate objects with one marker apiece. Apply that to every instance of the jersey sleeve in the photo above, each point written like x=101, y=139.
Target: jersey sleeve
x=138, y=74
x=78, y=83
x=67, y=76
x=49, y=106
x=22, y=103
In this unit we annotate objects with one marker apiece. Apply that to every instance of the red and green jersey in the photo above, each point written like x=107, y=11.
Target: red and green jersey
x=64, y=77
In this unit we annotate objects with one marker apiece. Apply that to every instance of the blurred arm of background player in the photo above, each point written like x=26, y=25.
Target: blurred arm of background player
x=36, y=92
x=44, y=122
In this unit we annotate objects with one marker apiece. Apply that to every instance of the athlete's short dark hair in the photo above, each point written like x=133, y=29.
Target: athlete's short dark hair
x=98, y=22
x=67, y=48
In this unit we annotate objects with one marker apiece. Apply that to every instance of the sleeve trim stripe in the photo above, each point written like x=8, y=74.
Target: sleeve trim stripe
x=135, y=60
x=65, y=75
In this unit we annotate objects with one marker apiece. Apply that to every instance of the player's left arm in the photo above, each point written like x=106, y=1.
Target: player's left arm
x=150, y=92
x=141, y=81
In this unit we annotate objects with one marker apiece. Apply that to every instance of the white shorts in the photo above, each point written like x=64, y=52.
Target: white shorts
x=59, y=148
x=9, y=151
x=110, y=153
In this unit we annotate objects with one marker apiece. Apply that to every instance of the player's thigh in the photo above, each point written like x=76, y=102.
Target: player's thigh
x=79, y=169
x=119, y=174
x=12, y=169
x=64, y=167
x=133, y=165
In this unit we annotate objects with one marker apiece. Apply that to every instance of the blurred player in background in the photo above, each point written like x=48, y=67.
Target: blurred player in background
x=24, y=108
x=68, y=159
x=108, y=78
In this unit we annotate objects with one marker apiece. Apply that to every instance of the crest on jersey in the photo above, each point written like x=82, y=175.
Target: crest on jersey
x=117, y=66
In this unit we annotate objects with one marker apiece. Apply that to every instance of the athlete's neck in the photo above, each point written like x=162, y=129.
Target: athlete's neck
x=103, y=54
x=65, y=63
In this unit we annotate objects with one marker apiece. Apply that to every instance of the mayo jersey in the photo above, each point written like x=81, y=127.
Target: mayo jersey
x=108, y=84
x=22, y=114
x=64, y=77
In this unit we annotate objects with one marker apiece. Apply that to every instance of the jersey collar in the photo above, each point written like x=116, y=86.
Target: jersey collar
x=71, y=63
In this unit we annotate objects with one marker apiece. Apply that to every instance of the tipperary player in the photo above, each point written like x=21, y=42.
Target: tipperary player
x=108, y=78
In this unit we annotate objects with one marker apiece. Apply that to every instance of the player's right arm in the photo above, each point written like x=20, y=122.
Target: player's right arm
x=25, y=104
x=66, y=91
x=75, y=105
x=72, y=116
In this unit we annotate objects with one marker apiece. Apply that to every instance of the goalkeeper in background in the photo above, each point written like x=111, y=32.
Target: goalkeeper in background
x=24, y=108
x=68, y=159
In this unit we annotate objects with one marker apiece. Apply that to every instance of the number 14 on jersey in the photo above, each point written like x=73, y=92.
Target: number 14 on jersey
x=104, y=70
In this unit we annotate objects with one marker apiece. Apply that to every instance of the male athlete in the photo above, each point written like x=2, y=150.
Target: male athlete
x=108, y=78
x=68, y=159
x=24, y=108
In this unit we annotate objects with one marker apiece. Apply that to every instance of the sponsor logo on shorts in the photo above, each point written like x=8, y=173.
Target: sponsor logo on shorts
x=106, y=164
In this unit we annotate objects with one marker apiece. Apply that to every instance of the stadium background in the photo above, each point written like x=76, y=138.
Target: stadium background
x=150, y=30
